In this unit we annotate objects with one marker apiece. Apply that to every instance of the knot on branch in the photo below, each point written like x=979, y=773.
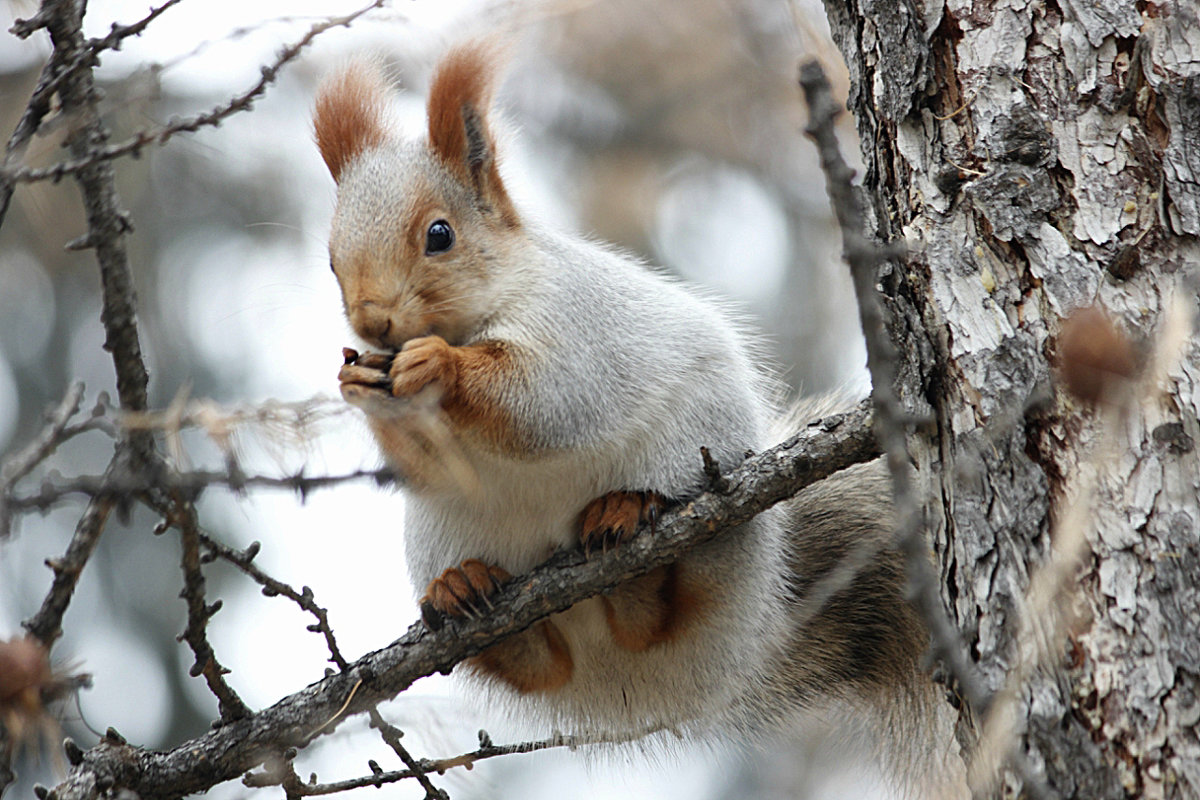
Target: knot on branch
x=712, y=473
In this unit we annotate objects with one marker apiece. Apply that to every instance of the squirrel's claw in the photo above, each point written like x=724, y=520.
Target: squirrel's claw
x=612, y=518
x=462, y=591
x=434, y=619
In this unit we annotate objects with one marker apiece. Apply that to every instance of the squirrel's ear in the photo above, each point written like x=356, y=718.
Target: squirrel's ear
x=459, y=100
x=349, y=115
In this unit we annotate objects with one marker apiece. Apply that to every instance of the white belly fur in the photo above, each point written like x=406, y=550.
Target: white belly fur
x=526, y=510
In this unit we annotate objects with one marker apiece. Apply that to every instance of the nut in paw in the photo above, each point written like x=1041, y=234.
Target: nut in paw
x=363, y=378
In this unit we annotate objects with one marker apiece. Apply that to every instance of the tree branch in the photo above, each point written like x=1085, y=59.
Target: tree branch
x=160, y=135
x=425, y=766
x=118, y=33
x=183, y=516
x=126, y=484
x=391, y=734
x=46, y=624
x=825, y=447
x=23, y=461
x=107, y=223
x=271, y=587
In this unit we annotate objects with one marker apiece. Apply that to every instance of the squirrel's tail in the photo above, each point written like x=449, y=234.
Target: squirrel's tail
x=857, y=647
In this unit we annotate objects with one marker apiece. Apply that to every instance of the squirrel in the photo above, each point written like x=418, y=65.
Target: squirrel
x=573, y=387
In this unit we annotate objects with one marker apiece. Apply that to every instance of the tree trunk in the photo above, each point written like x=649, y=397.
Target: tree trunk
x=1037, y=159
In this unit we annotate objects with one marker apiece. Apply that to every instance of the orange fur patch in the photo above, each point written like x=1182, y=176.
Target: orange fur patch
x=654, y=608
x=483, y=369
x=536, y=660
x=348, y=116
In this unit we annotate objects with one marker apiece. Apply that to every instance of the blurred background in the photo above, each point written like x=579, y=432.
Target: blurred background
x=670, y=127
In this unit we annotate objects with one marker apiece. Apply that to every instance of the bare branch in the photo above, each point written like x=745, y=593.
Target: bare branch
x=235, y=34
x=31, y=119
x=864, y=258
x=24, y=28
x=107, y=223
x=125, y=484
x=391, y=734
x=379, y=777
x=823, y=448
x=243, y=560
x=46, y=624
x=162, y=134
x=44, y=444
x=273, y=422
x=119, y=33
x=183, y=516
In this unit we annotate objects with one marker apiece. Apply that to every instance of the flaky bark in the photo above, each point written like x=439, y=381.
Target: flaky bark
x=1035, y=160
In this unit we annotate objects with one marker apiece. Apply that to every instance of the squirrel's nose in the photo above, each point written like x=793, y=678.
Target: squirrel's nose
x=384, y=325
x=372, y=322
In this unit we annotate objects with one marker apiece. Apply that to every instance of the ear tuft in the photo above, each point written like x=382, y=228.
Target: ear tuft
x=459, y=133
x=349, y=115
x=459, y=98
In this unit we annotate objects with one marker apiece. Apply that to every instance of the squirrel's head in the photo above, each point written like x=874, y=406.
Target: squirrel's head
x=421, y=228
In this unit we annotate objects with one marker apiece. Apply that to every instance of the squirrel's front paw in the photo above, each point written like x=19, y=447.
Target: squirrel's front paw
x=364, y=379
x=461, y=591
x=612, y=518
x=422, y=362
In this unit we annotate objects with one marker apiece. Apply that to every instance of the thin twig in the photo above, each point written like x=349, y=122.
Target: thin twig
x=273, y=420
x=244, y=559
x=864, y=259
x=423, y=766
x=162, y=134
x=233, y=35
x=391, y=734
x=46, y=624
x=43, y=445
x=118, y=33
x=123, y=484
x=31, y=119
x=199, y=613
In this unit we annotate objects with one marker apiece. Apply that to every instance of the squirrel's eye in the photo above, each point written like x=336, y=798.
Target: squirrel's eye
x=439, y=238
